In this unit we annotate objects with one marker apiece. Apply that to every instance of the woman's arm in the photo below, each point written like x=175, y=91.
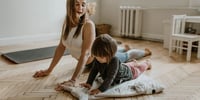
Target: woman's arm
x=59, y=50
x=88, y=39
x=57, y=55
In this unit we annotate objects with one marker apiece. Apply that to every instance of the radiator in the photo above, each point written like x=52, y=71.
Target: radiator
x=130, y=21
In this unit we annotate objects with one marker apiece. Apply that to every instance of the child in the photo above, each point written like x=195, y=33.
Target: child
x=109, y=67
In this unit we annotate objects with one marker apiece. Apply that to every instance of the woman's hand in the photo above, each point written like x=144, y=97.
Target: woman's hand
x=94, y=91
x=41, y=73
x=85, y=85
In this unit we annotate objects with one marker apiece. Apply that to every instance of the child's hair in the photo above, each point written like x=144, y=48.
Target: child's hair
x=104, y=46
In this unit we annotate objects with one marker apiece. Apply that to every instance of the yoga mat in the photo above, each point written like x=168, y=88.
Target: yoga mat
x=31, y=55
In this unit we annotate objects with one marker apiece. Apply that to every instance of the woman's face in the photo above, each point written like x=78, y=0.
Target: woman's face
x=80, y=7
x=101, y=59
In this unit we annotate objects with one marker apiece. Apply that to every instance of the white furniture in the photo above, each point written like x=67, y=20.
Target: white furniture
x=166, y=33
x=178, y=37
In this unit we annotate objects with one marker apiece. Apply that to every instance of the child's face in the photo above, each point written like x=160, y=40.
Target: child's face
x=101, y=59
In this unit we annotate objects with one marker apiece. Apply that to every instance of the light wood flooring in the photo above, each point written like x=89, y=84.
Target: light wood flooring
x=181, y=78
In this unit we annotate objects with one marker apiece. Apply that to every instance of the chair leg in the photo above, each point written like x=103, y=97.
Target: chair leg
x=170, y=46
x=177, y=46
x=198, y=52
x=189, y=48
x=181, y=46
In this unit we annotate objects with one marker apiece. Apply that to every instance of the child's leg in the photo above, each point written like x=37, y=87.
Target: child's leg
x=139, y=68
x=146, y=65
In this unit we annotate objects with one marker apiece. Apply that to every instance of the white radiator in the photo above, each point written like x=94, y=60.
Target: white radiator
x=130, y=21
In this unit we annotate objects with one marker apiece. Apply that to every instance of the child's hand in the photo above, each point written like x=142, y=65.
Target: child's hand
x=94, y=91
x=85, y=85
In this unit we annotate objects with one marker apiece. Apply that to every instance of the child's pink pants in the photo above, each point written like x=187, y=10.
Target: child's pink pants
x=137, y=68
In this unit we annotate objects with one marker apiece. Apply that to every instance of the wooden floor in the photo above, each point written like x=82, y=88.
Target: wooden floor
x=181, y=79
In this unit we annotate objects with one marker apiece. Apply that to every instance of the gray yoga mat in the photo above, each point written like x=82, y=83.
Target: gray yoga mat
x=31, y=55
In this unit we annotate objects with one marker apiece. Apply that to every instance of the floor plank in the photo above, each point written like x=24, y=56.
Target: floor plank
x=180, y=78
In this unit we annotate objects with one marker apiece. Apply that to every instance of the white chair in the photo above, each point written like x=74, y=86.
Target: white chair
x=178, y=37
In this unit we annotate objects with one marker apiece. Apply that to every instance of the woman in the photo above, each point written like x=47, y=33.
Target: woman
x=78, y=32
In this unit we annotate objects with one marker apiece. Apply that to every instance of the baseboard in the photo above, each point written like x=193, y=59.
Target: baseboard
x=147, y=36
x=154, y=37
x=28, y=38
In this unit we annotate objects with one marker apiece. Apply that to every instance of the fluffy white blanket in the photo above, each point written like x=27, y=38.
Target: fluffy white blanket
x=141, y=85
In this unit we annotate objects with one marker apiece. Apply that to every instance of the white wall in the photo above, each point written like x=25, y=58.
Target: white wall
x=153, y=20
x=96, y=16
x=37, y=20
x=30, y=17
x=154, y=13
x=33, y=20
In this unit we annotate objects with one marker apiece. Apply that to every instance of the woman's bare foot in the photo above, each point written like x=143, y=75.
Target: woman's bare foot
x=147, y=52
x=126, y=47
x=148, y=62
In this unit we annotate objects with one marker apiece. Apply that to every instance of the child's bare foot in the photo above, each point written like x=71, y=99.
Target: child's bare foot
x=147, y=52
x=148, y=62
x=127, y=47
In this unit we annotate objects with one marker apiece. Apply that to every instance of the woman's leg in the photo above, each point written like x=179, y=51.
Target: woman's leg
x=138, y=53
x=132, y=54
x=123, y=49
x=147, y=52
x=122, y=56
x=122, y=53
x=120, y=49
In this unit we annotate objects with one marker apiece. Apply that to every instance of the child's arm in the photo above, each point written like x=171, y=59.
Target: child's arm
x=94, y=91
x=112, y=70
x=86, y=85
x=93, y=73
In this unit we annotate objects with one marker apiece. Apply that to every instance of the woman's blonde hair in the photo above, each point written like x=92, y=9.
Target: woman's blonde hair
x=104, y=46
x=72, y=20
x=91, y=8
